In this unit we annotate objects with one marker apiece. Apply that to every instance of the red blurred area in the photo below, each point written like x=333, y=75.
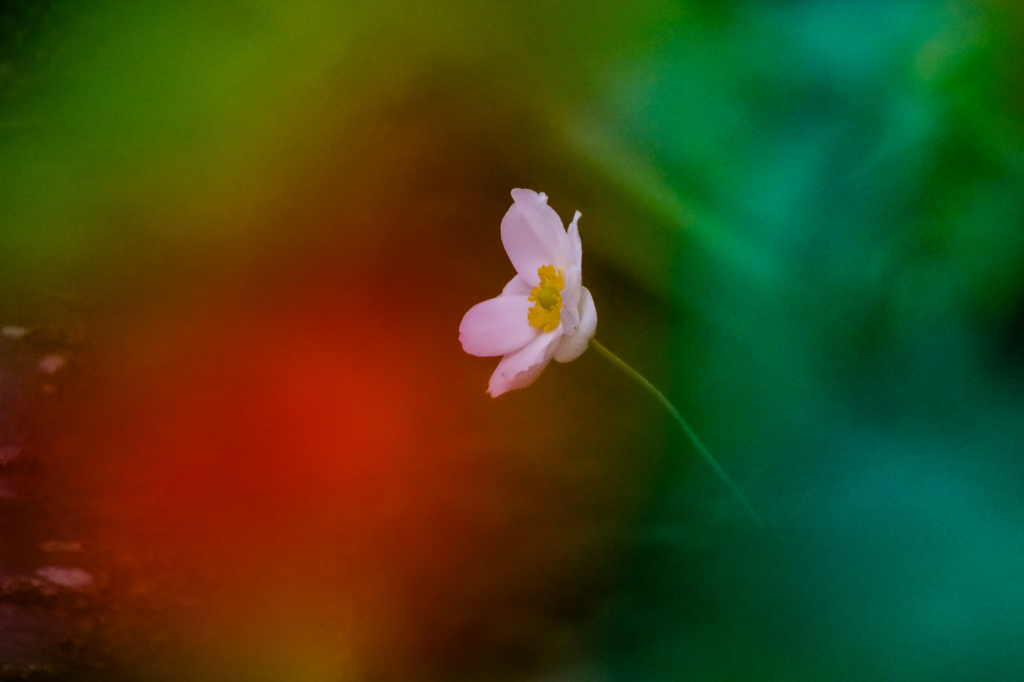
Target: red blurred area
x=277, y=471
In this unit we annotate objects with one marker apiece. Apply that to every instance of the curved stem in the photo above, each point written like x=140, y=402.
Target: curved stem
x=712, y=462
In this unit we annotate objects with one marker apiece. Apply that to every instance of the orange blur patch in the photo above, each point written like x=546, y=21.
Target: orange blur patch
x=284, y=471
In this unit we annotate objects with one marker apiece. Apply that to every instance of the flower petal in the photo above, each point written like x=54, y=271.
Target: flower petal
x=575, y=245
x=571, y=300
x=520, y=369
x=571, y=347
x=497, y=326
x=533, y=235
x=517, y=286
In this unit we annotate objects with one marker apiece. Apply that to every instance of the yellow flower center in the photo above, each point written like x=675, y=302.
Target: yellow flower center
x=547, y=299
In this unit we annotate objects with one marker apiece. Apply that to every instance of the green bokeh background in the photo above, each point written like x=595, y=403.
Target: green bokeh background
x=802, y=218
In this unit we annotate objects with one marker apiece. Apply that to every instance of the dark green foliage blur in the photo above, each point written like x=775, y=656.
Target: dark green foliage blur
x=849, y=335
x=821, y=202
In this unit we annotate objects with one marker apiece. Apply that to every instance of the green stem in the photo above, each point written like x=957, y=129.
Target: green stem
x=712, y=462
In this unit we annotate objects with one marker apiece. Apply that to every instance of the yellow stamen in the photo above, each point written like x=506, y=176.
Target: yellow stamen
x=547, y=297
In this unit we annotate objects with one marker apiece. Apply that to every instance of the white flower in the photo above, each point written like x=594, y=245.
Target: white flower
x=544, y=312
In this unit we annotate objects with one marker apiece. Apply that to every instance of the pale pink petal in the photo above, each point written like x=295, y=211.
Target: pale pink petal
x=497, y=326
x=517, y=286
x=571, y=300
x=520, y=369
x=575, y=245
x=571, y=347
x=533, y=235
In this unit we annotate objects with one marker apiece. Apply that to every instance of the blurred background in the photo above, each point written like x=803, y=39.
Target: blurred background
x=249, y=230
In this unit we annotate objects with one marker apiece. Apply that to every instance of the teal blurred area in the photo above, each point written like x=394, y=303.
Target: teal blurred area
x=848, y=305
x=804, y=219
